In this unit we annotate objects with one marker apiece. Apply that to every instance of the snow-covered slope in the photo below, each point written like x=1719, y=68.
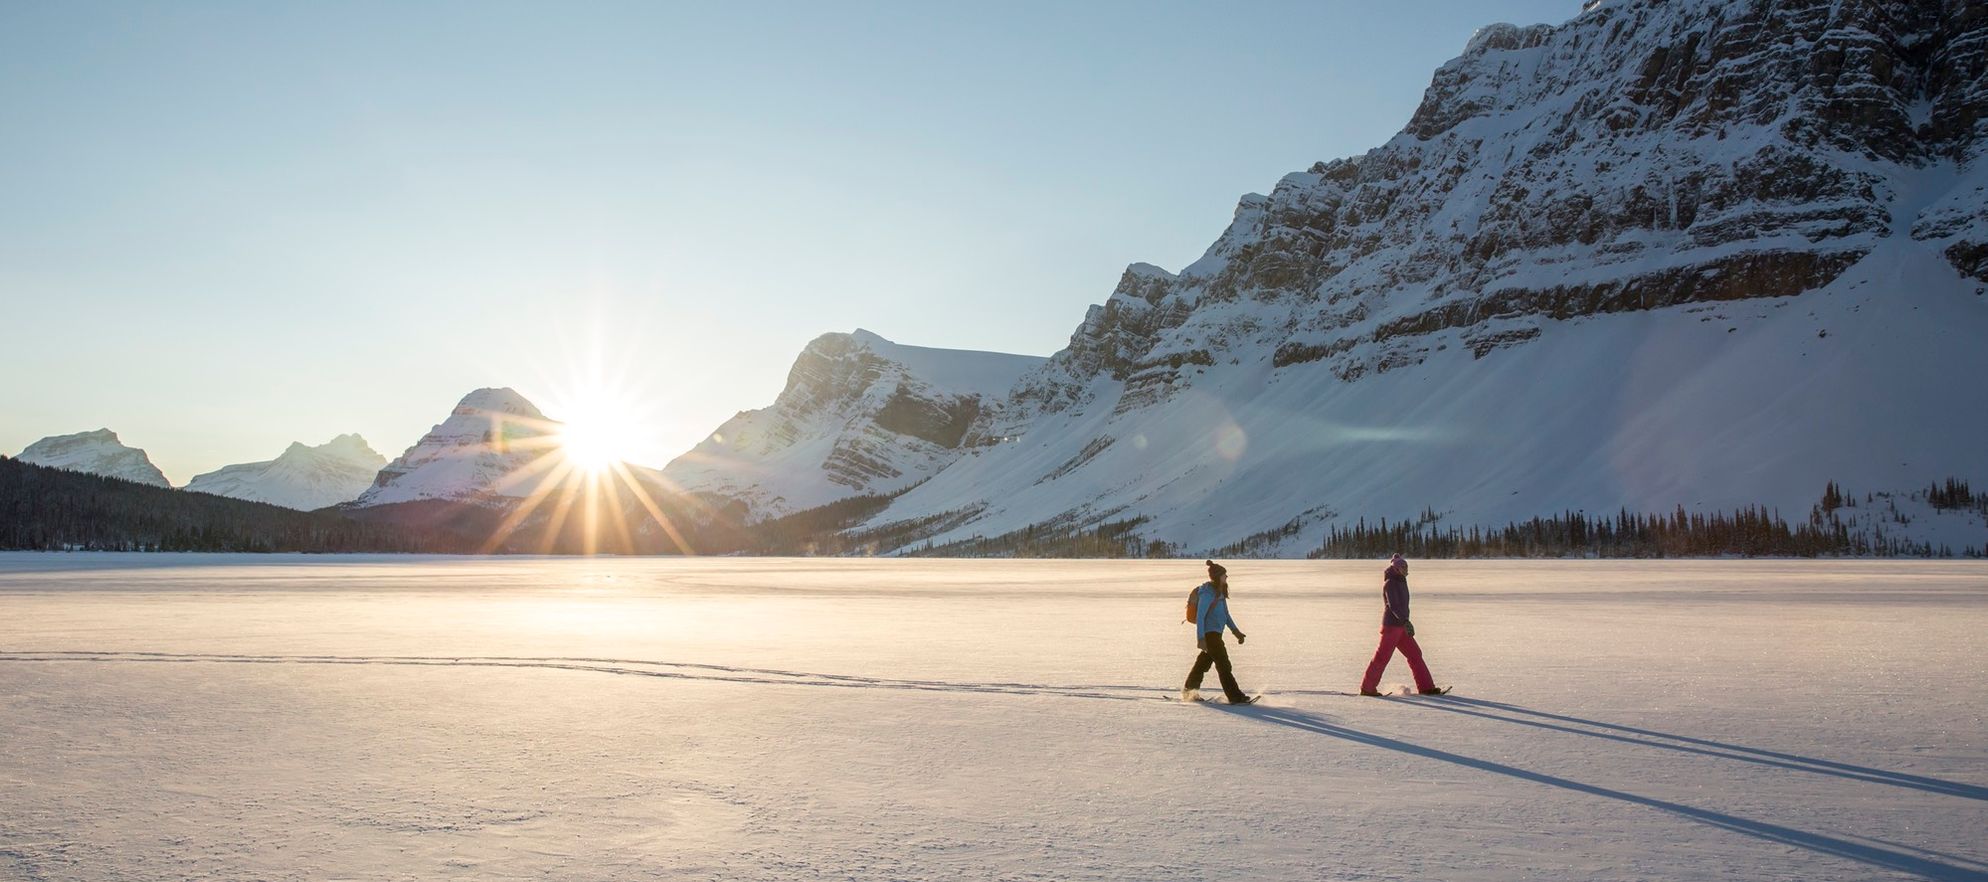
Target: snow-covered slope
x=494, y=446
x=1669, y=253
x=860, y=415
x=303, y=478
x=99, y=453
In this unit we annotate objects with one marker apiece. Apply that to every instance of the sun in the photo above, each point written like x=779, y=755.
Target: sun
x=598, y=434
x=591, y=484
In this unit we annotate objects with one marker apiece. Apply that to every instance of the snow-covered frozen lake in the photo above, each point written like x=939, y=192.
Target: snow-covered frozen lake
x=222, y=717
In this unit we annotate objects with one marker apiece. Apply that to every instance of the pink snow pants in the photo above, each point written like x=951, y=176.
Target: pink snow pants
x=1391, y=637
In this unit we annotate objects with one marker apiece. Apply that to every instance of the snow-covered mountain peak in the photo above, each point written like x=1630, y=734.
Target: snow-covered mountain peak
x=860, y=414
x=1505, y=37
x=303, y=477
x=350, y=441
x=492, y=446
x=498, y=400
x=98, y=452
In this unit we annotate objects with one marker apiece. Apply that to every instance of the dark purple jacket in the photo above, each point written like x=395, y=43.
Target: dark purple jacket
x=1394, y=591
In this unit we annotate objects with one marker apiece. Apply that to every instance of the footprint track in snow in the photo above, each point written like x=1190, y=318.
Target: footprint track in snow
x=618, y=666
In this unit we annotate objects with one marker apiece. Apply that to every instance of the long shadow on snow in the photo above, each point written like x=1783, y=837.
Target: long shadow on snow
x=1688, y=744
x=1816, y=842
x=1702, y=746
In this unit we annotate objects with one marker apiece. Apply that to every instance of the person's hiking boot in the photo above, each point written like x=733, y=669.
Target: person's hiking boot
x=1439, y=690
x=1370, y=693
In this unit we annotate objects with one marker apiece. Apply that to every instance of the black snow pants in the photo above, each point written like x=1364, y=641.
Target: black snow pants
x=1214, y=652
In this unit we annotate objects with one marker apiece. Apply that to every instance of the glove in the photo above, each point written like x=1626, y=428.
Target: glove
x=1242, y=639
x=1410, y=627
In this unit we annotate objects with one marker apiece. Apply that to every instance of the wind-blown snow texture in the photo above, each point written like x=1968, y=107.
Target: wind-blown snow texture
x=98, y=453
x=303, y=478
x=487, y=451
x=860, y=415
x=171, y=717
x=1692, y=253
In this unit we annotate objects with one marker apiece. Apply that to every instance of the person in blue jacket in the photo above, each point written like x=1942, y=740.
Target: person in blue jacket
x=1211, y=615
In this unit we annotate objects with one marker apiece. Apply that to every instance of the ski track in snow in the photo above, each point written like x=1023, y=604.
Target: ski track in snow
x=623, y=666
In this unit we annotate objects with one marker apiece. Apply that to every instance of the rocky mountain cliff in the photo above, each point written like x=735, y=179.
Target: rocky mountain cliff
x=494, y=446
x=860, y=415
x=98, y=453
x=303, y=478
x=1673, y=253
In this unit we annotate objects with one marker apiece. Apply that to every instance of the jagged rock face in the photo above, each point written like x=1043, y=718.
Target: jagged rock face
x=1643, y=155
x=98, y=453
x=859, y=415
x=303, y=478
x=1115, y=340
x=1714, y=159
x=495, y=446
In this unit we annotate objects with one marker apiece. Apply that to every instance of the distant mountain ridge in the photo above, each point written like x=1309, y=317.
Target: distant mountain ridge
x=304, y=478
x=98, y=453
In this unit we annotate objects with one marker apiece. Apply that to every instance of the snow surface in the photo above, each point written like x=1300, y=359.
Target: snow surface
x=220, y=717
x=303, y=478
x=98, y=453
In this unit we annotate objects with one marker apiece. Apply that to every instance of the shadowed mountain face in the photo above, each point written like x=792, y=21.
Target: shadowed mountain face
x=1695, y=253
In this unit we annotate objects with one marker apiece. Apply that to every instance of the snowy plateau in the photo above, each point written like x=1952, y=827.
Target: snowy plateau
x=185, y=716
x=1688, y=254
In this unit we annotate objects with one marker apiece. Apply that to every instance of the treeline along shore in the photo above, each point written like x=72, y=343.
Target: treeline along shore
x=47, y=509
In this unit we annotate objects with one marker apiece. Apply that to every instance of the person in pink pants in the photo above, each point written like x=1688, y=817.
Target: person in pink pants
x=1397, y=631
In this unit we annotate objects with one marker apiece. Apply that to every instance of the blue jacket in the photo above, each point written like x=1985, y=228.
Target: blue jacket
x=1394, y=593
x=1211, y=612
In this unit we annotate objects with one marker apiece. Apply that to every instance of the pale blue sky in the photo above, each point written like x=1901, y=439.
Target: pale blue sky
x=227, y=226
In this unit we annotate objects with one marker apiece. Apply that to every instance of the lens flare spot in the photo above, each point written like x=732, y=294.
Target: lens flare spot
x=1231, y=441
